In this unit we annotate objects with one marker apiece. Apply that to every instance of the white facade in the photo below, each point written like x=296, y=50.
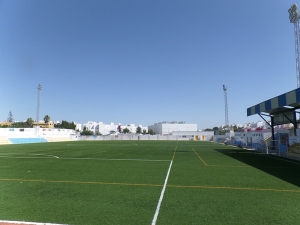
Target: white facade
x=105, y=129
x=78, y=127
x=100, y=127
x=132, y=128
x=169, y=127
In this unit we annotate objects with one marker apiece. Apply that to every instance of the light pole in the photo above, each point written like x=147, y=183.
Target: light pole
x=226, y=108
x=294, y=18
x=38, y=108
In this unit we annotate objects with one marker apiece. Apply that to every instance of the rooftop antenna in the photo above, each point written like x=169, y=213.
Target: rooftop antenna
x=226, y=107
x=38, y=108
x=294, y=18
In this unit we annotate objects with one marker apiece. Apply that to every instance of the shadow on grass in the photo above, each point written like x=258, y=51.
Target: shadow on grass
x=282, y=168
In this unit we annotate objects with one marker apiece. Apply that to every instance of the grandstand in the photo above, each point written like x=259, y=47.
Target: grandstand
x=280, y=110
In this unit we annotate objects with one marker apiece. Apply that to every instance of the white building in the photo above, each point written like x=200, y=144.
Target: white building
x=195, y=135
x=105, y=129
x=132, y=128
x=166, y=127
x=100, y=127
x=78, y=127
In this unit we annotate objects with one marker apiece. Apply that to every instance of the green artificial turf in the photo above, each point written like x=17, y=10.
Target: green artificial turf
x=120, y=182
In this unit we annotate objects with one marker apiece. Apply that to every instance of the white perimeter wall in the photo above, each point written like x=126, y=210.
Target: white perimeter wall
x=202, y=135
x=33, y=132
x=131, y=137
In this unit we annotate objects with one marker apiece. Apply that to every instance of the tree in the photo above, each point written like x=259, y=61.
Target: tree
x=150, y=131
x=222, y=131
x=65, y=125
x=138, y=130
x=29, y=122
x=239, y=129
x=47, y=119
x=126, y=130
x=144, y=131
x=19, y=124
x=86, y=131
x=208, y=129
x=216, y=130
x=235, y=128
x=10, y=117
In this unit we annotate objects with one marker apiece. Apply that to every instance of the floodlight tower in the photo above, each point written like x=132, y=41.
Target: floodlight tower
x=38, y=107
x=226, y=107
x=294, y=18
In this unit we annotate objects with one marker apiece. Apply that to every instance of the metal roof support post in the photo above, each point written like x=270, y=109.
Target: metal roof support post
x=272, y=128
x=295, y=123
x=264, y=119
x=271, y=125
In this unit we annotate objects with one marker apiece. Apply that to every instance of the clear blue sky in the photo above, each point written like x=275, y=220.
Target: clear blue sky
x=144, y=61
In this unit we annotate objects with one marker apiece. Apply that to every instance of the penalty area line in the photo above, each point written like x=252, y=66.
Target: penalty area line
x=161, y=196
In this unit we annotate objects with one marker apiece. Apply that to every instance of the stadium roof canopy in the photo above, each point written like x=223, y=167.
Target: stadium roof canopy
x=281, y=109
x=283, y=103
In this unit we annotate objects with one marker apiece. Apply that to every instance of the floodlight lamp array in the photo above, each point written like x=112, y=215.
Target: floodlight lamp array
x=294, y=14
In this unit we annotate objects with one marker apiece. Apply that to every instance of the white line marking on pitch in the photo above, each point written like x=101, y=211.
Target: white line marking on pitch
x=15, y=155
x=22, y=222
x=54, y=156
x=161, y=196
x=149, y=160
x=31, y=157
x=27, y=157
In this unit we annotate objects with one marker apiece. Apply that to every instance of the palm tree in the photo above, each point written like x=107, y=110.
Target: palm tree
x=10, y=117
x=47, y=119
x=29, y=122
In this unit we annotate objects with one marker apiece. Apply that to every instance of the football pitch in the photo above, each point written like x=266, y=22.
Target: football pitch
x=146, y=182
